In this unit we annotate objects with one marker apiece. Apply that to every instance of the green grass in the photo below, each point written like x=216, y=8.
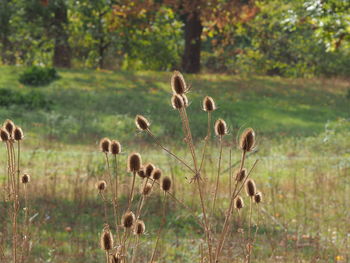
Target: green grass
x=88, y=105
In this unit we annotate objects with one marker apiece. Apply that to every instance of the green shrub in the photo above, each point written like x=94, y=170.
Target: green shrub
x=38, y=76
x=29, y=100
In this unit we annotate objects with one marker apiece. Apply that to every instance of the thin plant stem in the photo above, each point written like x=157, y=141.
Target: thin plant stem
x=218, y=174
x=135, y=249
x=207, y=138
x=131, y=191
x=249, y=228
x=116, y=196
x=104, y=206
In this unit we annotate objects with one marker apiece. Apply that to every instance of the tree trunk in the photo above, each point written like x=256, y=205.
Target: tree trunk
x=192, y=53
x=62, y=51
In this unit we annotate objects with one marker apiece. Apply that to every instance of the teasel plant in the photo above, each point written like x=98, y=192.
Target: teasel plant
x=215, y=240
x=12, y=136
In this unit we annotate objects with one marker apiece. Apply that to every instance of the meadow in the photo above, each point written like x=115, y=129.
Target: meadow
x=303, y=142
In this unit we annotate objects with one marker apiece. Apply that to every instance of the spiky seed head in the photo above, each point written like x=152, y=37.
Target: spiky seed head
x=134, y=162
x=4, y=135
x=166, y=183
x=247, y=141
x=128, y=219
x=25, y=178
x=185, y=100
x=141, y=123
x=241, y=175
x=115, y=147
x=116, y=258
x=250, y=187
x=178, y=84
x=149, y=168
x=239, y=204
x=18, y=134
x=220, y=127
x=146, y=189
x=177, y=102
x=208, y=104
x=141, y=172
x=157, y=173
x=106, y=240
x=258, y=197
x=104, y=145
x=101, y=185
x=9, y=126
x=139, y=228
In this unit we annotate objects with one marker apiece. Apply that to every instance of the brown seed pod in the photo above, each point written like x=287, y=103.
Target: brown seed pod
x=101, y=185
x=258, y=197
x=177, y=102
x=185, y=100
x=139, y=228
x=247, y=141
x=25, y=178
x=178, y=84
x=241, y=175
x=239, y=204
x=141, y=173
x=17, y=134
x=157, y=173
x=141, y=123
x=149, y=168
x=220, y=127
x=115, y=147
x=166, y=184
x=146, y=189
x=116, y=258
x=4, y=135
x=128, y=219
x=208, y=104
x=104, y=145
x=250, y=187
x=134, y=162
x=106, y=240
x=9, y=126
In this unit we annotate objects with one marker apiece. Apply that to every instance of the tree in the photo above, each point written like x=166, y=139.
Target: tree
x=7, y=10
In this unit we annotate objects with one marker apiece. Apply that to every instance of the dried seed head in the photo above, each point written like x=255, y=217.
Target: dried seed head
x=106, y=240
x=142, y=123
x=247, y=141
x=239, y=204
x=9, y=126
x=139, y=227
x=104, y=145
x=146, y=189
x=18, y=134
x=166, y=183
x=4, y=135
x=25, y=178
x=258, y=197
x=149, y=168
x=134, y=162
x=115, y=147
x=141, y=173
x=241, y=175
x=185, y=100
x=250, y=187
x=157, y=173
x=220, y=127
x=208, y=104
x=177, y=102
x=116, y=258
x=101, y=185
x=128, y=219
x=178, y=84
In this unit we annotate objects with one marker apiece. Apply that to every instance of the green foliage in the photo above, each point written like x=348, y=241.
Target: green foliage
x=28, y=100
x=38, y=76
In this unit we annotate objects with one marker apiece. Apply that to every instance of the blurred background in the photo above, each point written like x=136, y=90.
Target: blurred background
x=73, y=72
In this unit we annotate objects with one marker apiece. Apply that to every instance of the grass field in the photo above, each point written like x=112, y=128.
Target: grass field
x=303, y=134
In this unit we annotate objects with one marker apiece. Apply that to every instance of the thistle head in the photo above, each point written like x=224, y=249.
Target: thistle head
x=139, y=228
x=106, y=240
x=250, y=187
x=178, y=84
x=17, y=134
x=141, y=123
x=241, y=175
x=115, y=147
x=166, y=184
x=25, y=178
x=134, y=162
x=238, y=203
x=146, y=189
x=177, y=102
x=4, y=135
x=101, y=185
x=9, y=126
x=220, y=127
x=157, y=173
x=128, y=219
x=104, y=145
x=149, y=168
x=258, y=197
x=247, y=141
x=209, y=104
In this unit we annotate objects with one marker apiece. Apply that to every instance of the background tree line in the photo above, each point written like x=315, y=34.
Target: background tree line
x=288, y=38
